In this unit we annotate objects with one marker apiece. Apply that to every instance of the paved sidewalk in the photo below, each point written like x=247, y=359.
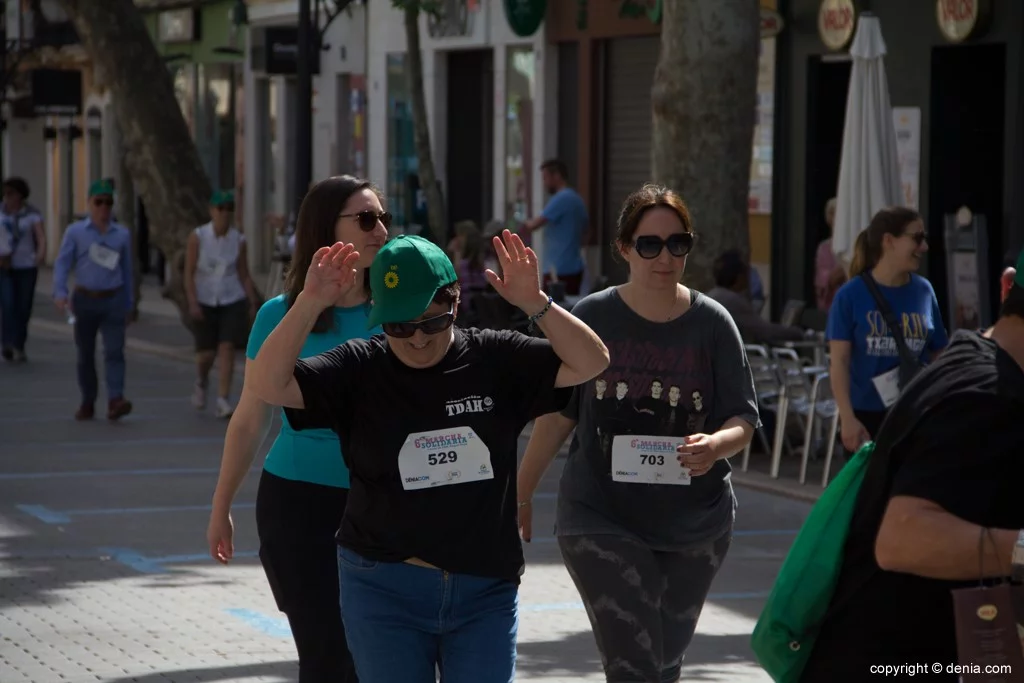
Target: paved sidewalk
x=104, y=575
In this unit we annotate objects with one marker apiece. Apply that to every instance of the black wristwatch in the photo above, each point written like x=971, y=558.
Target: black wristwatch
x=1017, y=559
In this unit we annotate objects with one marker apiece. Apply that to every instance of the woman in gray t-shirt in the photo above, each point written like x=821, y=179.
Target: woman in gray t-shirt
x=645, y=504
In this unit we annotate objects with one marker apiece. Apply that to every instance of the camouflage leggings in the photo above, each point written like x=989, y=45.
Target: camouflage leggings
x=643, y=604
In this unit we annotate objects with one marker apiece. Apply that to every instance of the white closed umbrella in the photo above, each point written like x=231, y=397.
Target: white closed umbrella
x=869, y=174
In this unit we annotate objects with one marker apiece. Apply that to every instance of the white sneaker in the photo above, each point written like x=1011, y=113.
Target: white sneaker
x=199, y=396
x=224, y=408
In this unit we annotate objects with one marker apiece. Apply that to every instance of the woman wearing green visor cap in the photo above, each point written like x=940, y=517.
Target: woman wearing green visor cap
x=429, y=418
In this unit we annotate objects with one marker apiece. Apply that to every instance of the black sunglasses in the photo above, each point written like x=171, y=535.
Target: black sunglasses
x=435, y=325
x=102, y=202
x=650, y=246
x=918, y=237
x=225, y=207
x=368, y=219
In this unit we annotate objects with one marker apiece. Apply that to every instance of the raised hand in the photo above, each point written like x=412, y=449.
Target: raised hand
x=520, y=281
x=331, y=274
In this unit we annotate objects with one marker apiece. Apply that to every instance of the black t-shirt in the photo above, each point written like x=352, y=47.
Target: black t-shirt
x=966, y=454
x=489, y=381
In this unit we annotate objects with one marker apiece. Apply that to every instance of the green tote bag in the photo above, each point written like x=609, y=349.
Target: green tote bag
x=787, y=628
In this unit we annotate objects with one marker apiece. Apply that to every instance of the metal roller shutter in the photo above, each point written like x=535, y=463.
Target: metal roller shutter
x=627, y=165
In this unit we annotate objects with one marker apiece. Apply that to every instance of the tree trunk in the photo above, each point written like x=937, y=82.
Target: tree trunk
x=160, y=154
x=704, y=103
x=125, y=208
x=428, y=177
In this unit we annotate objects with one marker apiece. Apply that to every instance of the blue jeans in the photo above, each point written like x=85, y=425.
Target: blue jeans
x=109, y=318
x=17, y=291
x=402, y=621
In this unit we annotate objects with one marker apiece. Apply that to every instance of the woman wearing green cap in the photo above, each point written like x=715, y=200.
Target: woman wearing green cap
x=429, y=418
x=221, y=298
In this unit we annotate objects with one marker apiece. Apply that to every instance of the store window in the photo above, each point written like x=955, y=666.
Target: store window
x=272, y=147
x=520, y=92
x=405, y=201
x=215, y=122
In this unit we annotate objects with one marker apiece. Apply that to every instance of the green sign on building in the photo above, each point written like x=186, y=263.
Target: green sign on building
x=525, y=16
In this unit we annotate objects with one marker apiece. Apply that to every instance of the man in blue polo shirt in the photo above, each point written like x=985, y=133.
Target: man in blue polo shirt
x=99, y=251
x=565, y=225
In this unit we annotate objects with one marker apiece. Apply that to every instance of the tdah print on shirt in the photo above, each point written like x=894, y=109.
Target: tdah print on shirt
x=652, y=390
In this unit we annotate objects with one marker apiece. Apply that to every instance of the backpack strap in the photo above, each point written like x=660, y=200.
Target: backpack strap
x=890, y=319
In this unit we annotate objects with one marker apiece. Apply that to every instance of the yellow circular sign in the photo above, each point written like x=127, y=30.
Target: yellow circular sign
x=836, y=21
x=957, y=19
x=987, y=612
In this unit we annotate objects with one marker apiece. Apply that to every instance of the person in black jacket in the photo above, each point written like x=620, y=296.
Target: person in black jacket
x=953, y=476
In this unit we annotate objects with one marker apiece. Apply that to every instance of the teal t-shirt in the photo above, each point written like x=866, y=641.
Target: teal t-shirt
x=312, y=455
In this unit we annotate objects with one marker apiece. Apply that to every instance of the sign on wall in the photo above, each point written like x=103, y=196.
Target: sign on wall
x=525, y=16
x=961, y=19
x=771, y=23
x=836, y=21
x=178, y=25
x=907, y=123
x=453, y=19
x=275, y=50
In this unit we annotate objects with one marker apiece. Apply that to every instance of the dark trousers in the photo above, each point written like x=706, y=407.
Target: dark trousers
x=17, y=291
x=108, y=317
x=296, y=522
x=871, y=419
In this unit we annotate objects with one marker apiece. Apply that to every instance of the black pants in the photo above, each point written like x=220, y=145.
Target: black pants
x=871, y=419
x=296, y=522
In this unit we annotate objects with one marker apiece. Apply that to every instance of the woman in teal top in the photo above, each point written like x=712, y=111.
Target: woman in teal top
x=303, y=488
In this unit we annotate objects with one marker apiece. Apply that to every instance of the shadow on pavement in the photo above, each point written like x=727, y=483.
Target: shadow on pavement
x=553, y=656
x=269, y=672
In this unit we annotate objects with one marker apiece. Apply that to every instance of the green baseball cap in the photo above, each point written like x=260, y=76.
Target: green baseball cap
x=404, y=277
x=104, y=186
x=222, y=197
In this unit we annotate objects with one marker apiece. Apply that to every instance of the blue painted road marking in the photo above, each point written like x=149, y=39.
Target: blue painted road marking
x=45, y=514
x=275, y=627
x=13, y=476
x=158, y=565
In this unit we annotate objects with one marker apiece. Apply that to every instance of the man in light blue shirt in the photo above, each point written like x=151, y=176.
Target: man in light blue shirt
x=565, y=223
x=99, y=251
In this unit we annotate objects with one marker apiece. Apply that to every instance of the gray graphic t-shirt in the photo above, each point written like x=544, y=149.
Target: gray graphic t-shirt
x=686, y=376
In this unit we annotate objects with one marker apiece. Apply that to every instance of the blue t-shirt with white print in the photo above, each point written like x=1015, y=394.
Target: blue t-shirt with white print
x=312, y=455
x=854, y=317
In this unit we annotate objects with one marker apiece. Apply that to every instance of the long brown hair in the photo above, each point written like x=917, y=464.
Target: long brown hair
x=868, y=248
x=315, y=228
x=639, y=203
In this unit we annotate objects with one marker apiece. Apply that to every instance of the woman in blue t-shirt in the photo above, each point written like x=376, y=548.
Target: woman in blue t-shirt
x=304, y=485
x=865, y=356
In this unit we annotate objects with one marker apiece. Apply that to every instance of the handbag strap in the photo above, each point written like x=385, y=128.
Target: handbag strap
x=890, y=319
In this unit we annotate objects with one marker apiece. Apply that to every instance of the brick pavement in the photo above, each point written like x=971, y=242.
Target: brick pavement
x=103, y=573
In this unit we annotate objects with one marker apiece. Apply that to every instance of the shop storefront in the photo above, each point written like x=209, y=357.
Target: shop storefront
x=607, y=55
x=202, y=48
x=955, y=72
x=483, y=85
x=339, y=113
